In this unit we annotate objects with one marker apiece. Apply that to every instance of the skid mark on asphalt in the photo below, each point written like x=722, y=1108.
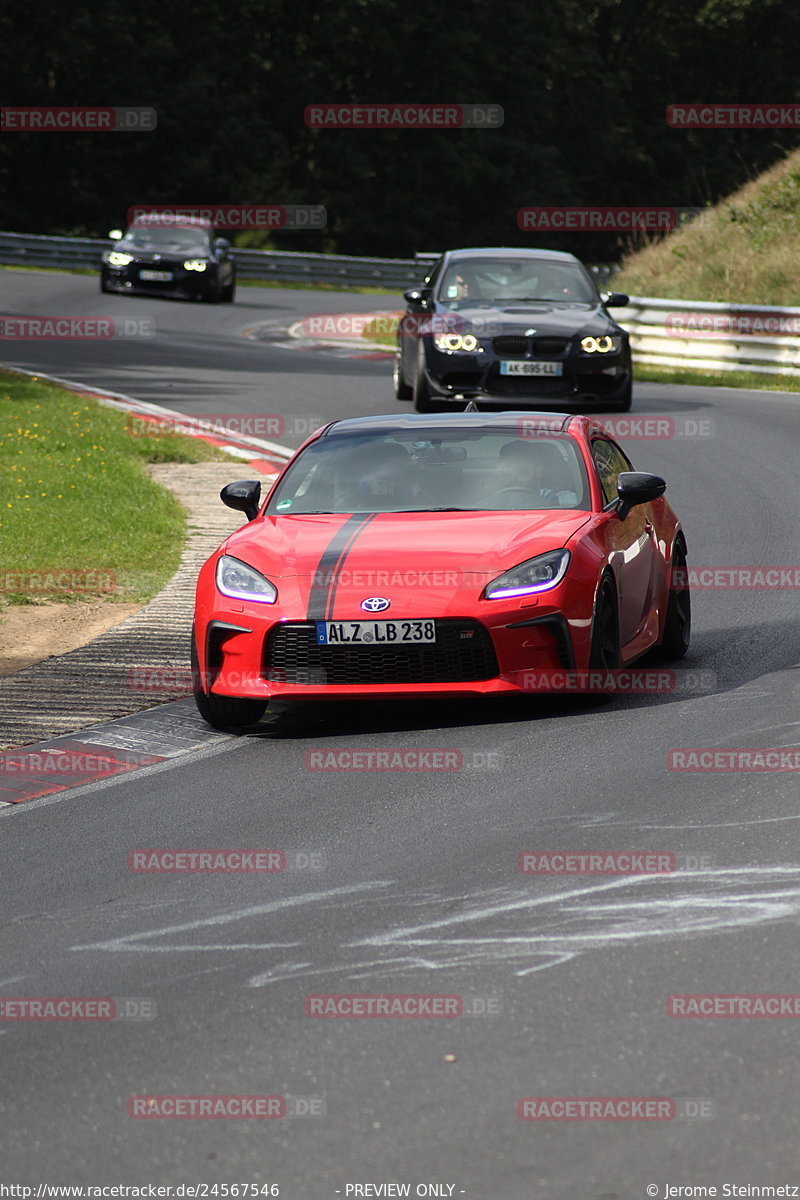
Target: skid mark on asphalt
x=133, y=941
x=525, y=932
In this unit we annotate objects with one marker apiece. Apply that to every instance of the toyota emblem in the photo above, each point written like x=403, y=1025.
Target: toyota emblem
x=375, y=604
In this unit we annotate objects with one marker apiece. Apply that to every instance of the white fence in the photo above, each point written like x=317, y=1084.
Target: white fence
x=713, y=337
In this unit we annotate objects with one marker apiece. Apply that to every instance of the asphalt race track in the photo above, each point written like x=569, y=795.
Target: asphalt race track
x=416, y=888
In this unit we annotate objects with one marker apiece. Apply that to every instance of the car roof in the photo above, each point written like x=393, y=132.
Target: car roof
x=167, y=221
x=552, y=421
x=510, y=252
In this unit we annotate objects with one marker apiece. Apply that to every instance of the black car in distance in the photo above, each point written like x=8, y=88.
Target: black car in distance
x=512, y=328
x=170, y=257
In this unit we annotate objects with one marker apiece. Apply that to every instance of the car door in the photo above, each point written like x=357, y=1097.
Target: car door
x=631, y=542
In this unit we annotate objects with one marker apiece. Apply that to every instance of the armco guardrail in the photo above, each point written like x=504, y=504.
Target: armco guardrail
x=34, y=250
x=712, y=336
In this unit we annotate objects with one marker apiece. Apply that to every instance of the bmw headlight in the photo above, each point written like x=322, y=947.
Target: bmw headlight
x=454, y=342
x=601, y=345
x=195, y=264
x=236, y=579
x=535, y=575
x=117, y=259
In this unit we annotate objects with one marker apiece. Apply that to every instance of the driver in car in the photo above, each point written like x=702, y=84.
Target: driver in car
x=520, y=473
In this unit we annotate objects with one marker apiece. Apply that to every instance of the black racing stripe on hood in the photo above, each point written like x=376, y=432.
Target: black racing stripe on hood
x=319, y=600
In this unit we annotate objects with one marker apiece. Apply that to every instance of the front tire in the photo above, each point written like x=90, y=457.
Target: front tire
x=229, y=292
x=626, y=402
x=421, y=392
x=223, y=712
x=678, y=621
x=401, y=389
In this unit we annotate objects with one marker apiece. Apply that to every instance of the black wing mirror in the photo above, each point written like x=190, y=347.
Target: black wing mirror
x=418, y=297
x=244, y=495
x=616, y=300
x=637, y=487
x=222, y=245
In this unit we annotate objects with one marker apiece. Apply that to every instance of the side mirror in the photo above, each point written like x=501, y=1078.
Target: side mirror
x=616, y=300
x=115, y=234
x=222, y=244
x=637, y=487
x=244, y=495
x=418, y=297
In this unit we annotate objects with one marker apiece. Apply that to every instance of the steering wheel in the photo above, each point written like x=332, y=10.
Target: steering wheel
x=539, y=493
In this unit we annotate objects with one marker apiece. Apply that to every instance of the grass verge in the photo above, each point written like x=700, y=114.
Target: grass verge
x=643, y=373
x=79, y=515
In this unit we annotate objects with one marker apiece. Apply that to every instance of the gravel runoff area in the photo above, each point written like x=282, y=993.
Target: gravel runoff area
x=142, y=661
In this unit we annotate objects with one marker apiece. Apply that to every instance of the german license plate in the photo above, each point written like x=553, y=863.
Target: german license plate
x=531, y=368
x=156, y=276
x=374, y=633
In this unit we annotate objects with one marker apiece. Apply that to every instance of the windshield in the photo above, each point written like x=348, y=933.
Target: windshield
x=490, y=280
x=182, y=241
x=434, y=470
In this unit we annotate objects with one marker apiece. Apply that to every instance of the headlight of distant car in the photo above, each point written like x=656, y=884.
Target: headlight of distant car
x=236, y=579
x=536, y=575
x=601, y=345
x=117, y=259
x=195, y=264
x=456, y=341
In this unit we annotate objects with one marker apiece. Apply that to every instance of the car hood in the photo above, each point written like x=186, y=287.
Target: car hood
x=519, y=317
x=362, y=549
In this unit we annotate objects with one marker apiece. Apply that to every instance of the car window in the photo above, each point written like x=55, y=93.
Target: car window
x=476, y=470
x=501, y=280
x=180, y=241
x=610, y=461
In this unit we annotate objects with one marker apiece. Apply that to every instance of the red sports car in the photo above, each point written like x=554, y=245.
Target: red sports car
x=461, y=554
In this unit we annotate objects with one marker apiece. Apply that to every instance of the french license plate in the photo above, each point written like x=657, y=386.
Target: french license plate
x=156, y=276
x=531, y=368
x=374, y=633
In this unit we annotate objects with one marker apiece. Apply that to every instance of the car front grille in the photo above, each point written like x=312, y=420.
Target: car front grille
x=518, y=346
x=463, y=652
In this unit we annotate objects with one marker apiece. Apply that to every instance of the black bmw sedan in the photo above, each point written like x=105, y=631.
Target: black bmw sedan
x=510, y=327
x=171, y=258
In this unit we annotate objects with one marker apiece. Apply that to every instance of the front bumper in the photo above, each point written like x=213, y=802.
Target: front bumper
x=458, y=376
x=274, y=656
x=183, y=282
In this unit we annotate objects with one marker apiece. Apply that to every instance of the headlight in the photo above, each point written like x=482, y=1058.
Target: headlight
x=236, y=579
x=536, y=575
x=601, y=345
x=455, y=341
x=117, y=259
x=195, y=264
